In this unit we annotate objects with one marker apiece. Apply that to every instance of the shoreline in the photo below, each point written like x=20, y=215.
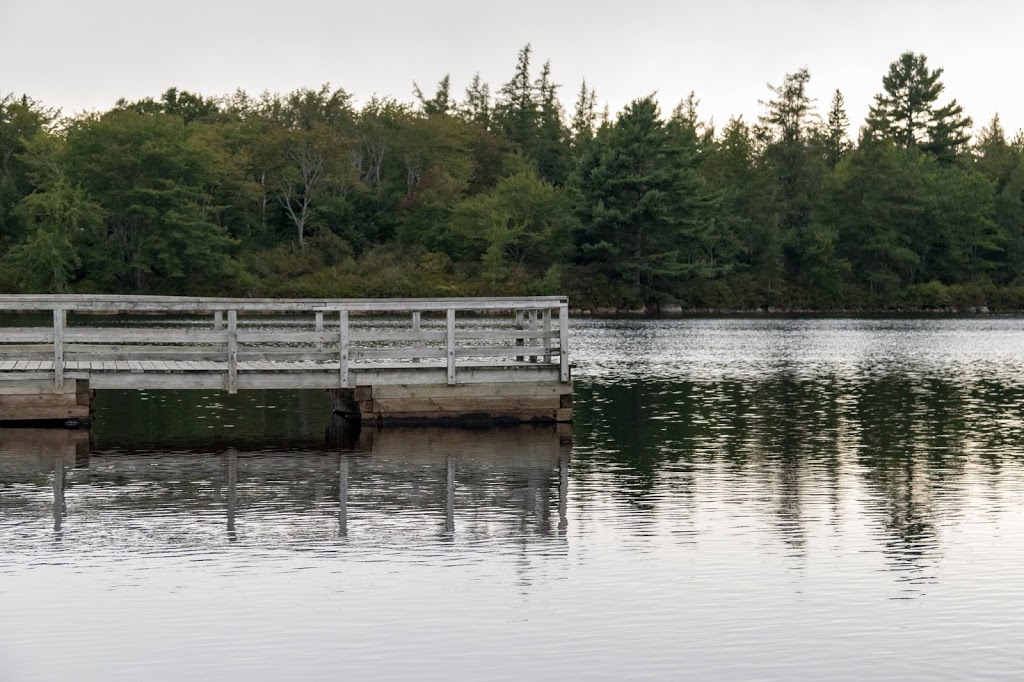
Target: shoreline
x=671, y=312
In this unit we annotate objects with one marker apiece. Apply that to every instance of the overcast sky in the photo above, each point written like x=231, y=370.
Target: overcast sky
x=81, y=56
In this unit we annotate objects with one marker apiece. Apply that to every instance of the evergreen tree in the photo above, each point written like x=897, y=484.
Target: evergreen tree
x=477, y=106
x=441, y=103
x=550, y=148
x=584, y=118
x=908, y=113
x=790, y=116
x=836, y=131
x=517, y=111
x=790, y=129
x=642, y=205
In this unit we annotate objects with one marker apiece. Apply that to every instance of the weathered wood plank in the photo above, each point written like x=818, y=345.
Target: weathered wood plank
x=285, y=336
x=504, y=405
x=389, y=335
x=109, y=303
x=35, y=413
x=396, y=353
x=539, y=416
x=25, y=386
x=26, y=335
x=493, y=390
x=505, y=335
x=36, y=400
x=116, y=335
x=500, y=351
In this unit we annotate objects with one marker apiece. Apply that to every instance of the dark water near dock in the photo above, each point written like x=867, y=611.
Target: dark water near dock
x=768, y=499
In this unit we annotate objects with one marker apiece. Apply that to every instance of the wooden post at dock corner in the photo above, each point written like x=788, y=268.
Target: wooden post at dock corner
x=343, y=343
x=450, y=345
x=563, y=342
x=60, y=318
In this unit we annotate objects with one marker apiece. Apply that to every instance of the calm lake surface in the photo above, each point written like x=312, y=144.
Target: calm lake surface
x=739, y=499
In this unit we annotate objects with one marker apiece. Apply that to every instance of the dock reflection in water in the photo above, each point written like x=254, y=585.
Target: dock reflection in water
x=399, y=482
x=30, y=454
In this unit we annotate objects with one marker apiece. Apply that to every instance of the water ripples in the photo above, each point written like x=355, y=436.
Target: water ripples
x=739, y=499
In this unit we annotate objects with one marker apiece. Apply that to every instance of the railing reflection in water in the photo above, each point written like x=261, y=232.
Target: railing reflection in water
x=423, y=470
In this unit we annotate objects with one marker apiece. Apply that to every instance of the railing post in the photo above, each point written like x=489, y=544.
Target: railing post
x=563, y=341
x=232, y=351
x=533, y=328
x=60, y=318
x=416, y=328
x=319, y=329
x=546, y=324
x=519, y=326
x=451, y=346
x=343, y=347
x=218, y=320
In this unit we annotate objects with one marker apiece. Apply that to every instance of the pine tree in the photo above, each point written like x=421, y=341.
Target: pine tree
x=441, y=103
x=836, y=140
x=477, y=106
x=907, y=112
x=584, y=118
x=644, y=209
x=550, y=145
x=790, y=114
x=516, y=112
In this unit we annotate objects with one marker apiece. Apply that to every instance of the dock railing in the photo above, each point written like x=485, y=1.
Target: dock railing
x=295, y=337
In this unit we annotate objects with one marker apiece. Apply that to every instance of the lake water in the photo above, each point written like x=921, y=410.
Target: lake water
x=739, y=499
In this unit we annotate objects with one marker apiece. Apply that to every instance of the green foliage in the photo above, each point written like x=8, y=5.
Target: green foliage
x=646, y=216
x=908, y=113
x=151, y=183
x=302, y=194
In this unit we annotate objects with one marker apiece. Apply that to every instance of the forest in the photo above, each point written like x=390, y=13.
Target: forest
x=511, y=192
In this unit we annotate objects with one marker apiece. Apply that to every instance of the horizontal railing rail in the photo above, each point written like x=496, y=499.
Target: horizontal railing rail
x=434, y=333
x=186, y=304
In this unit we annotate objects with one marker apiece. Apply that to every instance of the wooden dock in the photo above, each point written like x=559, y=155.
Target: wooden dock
x=465, y=359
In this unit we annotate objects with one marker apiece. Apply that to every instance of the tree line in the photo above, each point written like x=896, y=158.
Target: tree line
x=507, y=192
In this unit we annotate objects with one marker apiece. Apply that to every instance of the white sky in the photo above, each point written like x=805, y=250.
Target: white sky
x=80, y=55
